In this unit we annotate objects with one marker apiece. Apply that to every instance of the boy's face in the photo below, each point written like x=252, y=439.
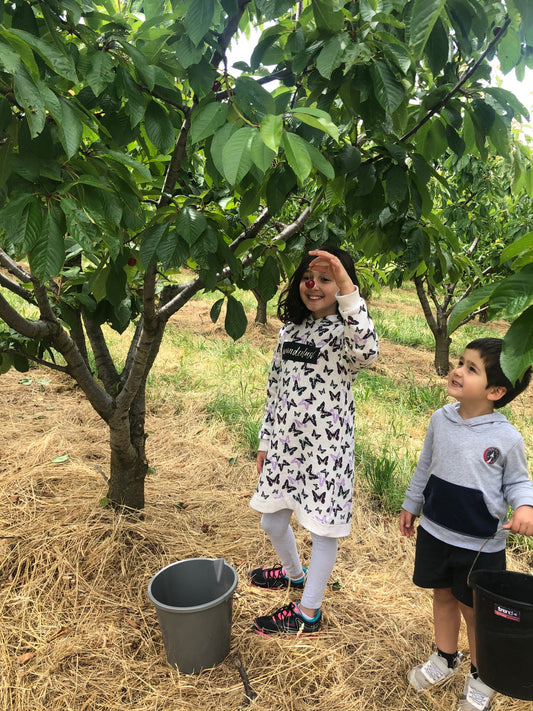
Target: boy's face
x=467, y=382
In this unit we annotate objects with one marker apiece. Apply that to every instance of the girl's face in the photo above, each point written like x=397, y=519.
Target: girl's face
x=317, y=292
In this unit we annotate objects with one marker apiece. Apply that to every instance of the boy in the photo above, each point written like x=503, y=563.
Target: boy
x=471, y=468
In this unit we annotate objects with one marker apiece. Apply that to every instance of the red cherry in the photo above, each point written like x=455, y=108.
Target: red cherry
x=132, y=262
x=310, y=283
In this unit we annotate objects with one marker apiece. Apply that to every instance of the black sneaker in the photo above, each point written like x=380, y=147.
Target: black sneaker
x=273, y=578
x=287, y=619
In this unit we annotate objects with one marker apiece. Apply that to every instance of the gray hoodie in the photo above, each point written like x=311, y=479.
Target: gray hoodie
x=468, y=473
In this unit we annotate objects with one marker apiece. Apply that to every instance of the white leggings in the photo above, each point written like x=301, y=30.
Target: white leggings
x=323, y=556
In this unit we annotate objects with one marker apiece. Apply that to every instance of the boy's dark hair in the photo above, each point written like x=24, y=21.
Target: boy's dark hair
x=490, y=350
x=290, y=305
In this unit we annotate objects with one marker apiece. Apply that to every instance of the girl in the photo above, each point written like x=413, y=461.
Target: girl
x=305, y=458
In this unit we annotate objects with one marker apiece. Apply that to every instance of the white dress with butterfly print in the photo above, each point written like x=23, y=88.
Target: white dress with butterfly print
x=307, y=429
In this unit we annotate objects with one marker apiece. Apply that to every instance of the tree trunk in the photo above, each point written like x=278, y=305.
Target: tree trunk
x=129, y=465
x=442, y=351
x=261, y=311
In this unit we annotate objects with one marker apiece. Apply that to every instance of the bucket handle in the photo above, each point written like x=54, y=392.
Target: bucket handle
x=500, y=530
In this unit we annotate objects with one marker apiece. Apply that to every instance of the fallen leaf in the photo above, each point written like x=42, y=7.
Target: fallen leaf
x=23, y=658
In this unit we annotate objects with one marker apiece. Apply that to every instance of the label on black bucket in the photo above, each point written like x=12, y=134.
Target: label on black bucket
x=506, y=612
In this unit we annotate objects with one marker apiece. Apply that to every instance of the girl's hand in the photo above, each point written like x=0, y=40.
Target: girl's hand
x=407, y=521
x=261, y=456
x=331, y=266
x=521, y=521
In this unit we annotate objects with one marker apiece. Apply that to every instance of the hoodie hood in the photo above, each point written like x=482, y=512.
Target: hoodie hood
x=451, y=412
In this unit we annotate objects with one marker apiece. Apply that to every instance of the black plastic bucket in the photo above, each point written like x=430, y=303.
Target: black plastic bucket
x=503, y=616
x=193, y=601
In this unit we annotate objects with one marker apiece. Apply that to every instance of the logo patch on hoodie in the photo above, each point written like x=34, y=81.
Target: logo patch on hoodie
x=491, y=455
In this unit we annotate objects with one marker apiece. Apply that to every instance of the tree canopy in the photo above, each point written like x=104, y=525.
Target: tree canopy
x=129, y=150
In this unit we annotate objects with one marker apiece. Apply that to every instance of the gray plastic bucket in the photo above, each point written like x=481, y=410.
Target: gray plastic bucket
x=193, y=600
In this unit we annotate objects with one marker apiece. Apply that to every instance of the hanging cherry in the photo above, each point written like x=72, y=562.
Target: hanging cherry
x=310, y=283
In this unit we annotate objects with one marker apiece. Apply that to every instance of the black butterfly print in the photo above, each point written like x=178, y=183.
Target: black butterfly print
x=290, y=450
x=343, y=493
x=332, y=434
x=335, y=396
x=309, y=418
x=322, y=460
x=305, y=442
x=282, y=419
x=273, y=480
x=301, y=477
x=316, y=379
x=287, y=486
x=319, y=497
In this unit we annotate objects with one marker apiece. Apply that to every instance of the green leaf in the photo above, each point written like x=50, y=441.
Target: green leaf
x=297, y=154
x=509, y=49
x=159, y=128
x=517, y=352
x=325, y=17
x=218, y=143
x=330, y=56
x=23, y=50
x=70, y=129
x=29, y=97
x=21, y=364
x=190, y=224
x=59, y=62
x=235, y=322
x=236, y=156
x=262, y=155
x=466, y=306
x=101, y=72
x=389, y=92
x=519, y=246
x=215, y=310
x=271, y=131
x=47, y=256
x=252, y=100
x=280, y=184
x=500, y=137
x=206, y=120
x=269, y=278
x=9, y=59
x=512, y=295
x=60, y=460
x=198, y=19
x=150, y=241
x=396, y=185
x=317, y=119
x=6, y=361
x=424, y=15
x=33, y=225
x=320, y=162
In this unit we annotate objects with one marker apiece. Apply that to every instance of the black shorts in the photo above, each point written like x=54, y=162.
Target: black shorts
x=441, y=565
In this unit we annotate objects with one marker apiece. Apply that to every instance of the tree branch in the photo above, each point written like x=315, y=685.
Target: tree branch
x=16, y=289
x=465, y=76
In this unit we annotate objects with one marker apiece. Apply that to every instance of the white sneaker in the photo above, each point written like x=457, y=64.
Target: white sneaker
x=476, y=695
x=432, y=673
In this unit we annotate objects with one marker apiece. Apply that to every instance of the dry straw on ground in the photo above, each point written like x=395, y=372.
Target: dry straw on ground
x=77, y=629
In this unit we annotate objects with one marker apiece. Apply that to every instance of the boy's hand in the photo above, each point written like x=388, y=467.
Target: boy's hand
x=521, y=521
x=407, y=521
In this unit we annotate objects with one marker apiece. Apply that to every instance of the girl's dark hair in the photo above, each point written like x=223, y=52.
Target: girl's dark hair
x=290, y=305
x=490, y=350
